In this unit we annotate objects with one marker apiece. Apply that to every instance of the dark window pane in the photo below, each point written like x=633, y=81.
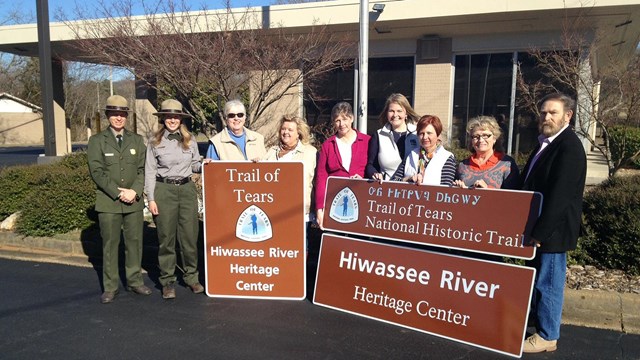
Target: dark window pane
x=526, y=121
x=386, y=76
x=482, y=87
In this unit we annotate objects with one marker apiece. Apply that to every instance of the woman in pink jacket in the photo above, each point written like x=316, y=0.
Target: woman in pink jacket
x=343, y=154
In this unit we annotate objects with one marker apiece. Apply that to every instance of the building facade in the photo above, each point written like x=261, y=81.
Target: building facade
x=453, y=59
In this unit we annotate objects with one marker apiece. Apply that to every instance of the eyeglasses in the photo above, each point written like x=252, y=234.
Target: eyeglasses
x=483, y=136
x=232, y=115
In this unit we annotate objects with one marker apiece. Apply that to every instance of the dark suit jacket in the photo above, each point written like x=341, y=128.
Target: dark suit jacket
x=111, y=167
x=559, y=174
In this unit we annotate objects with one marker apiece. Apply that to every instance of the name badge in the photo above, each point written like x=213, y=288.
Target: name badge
x=108, y=154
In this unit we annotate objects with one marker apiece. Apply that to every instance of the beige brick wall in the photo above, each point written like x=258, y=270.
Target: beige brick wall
x=21, y=129
x=433, y=84
x=290, y=103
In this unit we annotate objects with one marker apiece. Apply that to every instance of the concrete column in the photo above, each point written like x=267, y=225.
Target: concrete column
x=62, y=125
x=146, y=103
x=433, y=88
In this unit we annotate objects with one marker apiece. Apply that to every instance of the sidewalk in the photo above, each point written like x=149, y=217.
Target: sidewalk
x=586, y=308
x=597, y=169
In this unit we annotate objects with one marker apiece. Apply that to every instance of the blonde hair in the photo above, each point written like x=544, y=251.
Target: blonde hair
x=485, y=123
x=303, y=129
x=412, y=115
x=186, y=135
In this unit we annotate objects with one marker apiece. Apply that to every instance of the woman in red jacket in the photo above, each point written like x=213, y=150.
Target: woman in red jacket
x=343, y=154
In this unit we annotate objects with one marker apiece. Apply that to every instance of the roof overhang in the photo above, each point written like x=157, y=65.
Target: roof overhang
x=540, y=22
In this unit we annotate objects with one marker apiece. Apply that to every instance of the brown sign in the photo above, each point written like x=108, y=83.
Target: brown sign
x=475, y=302
x=487, y=221
x=254, y=230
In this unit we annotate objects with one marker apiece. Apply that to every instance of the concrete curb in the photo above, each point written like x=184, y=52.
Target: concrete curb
x=588, y=308
x=602, y=310
x=69, y=247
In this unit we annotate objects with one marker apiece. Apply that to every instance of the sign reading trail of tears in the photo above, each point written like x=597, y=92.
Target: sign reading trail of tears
x=476, y=302
x=497, y=222
x=254, y=230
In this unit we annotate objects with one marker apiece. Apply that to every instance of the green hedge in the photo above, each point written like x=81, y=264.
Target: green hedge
x=16, y=184
x=611, y=214
x=53, y=198
x=624, y=141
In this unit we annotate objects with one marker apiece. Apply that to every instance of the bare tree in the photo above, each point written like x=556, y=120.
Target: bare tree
x=14, y=67
x=86, y=86
x=207, y=57
x=608, y=96
x=15, y=14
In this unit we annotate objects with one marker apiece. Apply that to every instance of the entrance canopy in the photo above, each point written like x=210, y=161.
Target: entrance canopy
x=486, y=26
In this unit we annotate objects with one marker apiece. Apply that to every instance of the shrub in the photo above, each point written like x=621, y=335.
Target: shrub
x=76, y=160
x=53, y=198
x=624, y=142
x=16, y=183
x=612, y=225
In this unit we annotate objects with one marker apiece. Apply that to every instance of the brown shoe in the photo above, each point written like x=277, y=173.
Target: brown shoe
x=140, y=290
x=196, y=288
x=108, y=296
x=536, y=344
x=168, y=292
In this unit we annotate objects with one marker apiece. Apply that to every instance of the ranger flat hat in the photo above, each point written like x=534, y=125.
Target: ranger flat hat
x=171, y=107
x=116, y=103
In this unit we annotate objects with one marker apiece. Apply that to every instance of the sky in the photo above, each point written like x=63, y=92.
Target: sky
x=27, y=8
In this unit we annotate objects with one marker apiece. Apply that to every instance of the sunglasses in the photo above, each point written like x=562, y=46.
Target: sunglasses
x=232, y=115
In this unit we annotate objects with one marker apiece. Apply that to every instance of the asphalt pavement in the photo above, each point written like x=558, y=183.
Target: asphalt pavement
x=26, y=155
x=52, y=311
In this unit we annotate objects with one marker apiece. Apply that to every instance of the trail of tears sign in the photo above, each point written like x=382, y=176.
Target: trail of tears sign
x=487, y=221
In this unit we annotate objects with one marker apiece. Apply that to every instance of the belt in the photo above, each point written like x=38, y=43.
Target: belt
x=173, y=181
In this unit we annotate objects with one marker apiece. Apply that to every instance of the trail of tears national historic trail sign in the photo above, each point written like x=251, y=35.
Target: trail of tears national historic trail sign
x=497, y=222
x=254, y=230
x=476, y=302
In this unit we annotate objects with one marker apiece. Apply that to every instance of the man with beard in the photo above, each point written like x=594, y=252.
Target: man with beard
x=557, y=169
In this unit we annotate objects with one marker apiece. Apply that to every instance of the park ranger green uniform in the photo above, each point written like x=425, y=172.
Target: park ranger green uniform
x=113, y=166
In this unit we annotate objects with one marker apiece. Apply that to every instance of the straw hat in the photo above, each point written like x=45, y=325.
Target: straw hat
x=171, y=107
x=116, y=103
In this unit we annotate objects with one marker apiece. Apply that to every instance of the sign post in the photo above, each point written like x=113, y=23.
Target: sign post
x=254, y=230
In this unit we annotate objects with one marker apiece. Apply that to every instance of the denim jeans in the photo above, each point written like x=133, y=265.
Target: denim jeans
x=548, y=295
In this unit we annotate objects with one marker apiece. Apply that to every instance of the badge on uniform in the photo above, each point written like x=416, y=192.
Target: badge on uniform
x=133, y=151
x=108, y=154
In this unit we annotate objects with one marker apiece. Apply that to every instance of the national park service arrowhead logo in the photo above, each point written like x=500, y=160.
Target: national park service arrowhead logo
x=253, y=225
x=344, y=207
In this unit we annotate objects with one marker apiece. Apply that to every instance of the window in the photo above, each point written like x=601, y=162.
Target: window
x=482, y=87
x=386, y=76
